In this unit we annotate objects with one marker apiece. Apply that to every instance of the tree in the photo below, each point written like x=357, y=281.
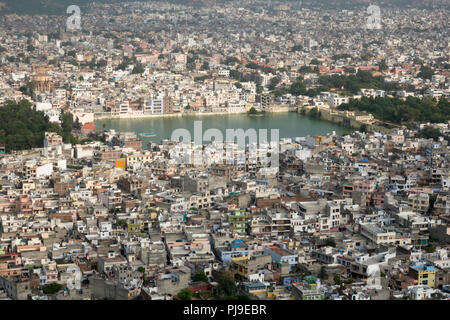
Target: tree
x=24, y=128
x=341, y=56
x=354, y=82
x=273, y=83
x=200, y=276
x=67, y=122
x=28, y=88
x=382, y=65
x=252, y=111
x=433, y=198
x=425, y=72
x=297, y=47
x=231, y=61
x=337, y=280
x=330, y=242
x=202, y=78
x=306, y=69
x=398, y=111
x=205, y=66
x=52, y=288
x=349, y=281
x=138, y=69
x=67, y=127
x=226, y=285
x=323, y=273
x=363, y=128
x=417, y=60
x=141, y=269
x=185, y=294
x=297, y=88
x=430, y=132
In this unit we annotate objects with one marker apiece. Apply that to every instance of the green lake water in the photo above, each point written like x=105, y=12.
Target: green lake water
x=290, y=125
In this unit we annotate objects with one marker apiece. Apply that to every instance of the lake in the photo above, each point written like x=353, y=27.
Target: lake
x=290, y=125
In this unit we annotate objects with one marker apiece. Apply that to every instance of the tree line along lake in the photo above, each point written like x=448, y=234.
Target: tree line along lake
x=289, y=124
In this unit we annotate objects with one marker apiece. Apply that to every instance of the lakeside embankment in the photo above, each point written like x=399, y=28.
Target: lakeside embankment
x=108, y=116
x=167, y=115
x=349, y=119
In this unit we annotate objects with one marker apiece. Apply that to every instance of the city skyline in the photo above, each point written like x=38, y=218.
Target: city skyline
x=224, y=150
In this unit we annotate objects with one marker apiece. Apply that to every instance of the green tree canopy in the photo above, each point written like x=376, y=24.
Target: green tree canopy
x=425, y=72
x=200, y=276
x=205, y=66
x=430, y=133
x=226, y=285
x=330, y=242
x=138, y=69
x=398, y=111
x=52, y=288
x=185, y=294
x=355, y=82
x=21, y=127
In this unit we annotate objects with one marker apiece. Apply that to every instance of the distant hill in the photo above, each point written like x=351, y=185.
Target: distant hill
x=58, y=7
x=51, y=7
x=54, y=7
x=37, y=6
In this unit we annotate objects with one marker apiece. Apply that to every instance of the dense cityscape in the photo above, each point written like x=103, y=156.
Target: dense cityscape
x=90, y=211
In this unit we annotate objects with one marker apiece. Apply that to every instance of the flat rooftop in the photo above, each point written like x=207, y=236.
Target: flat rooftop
x=280, y=251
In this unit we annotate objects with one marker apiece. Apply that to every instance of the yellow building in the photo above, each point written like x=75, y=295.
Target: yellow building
x=134, y=228
x=247, y=265
x=424, y=274
x=121, y=163
x=240, y=263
